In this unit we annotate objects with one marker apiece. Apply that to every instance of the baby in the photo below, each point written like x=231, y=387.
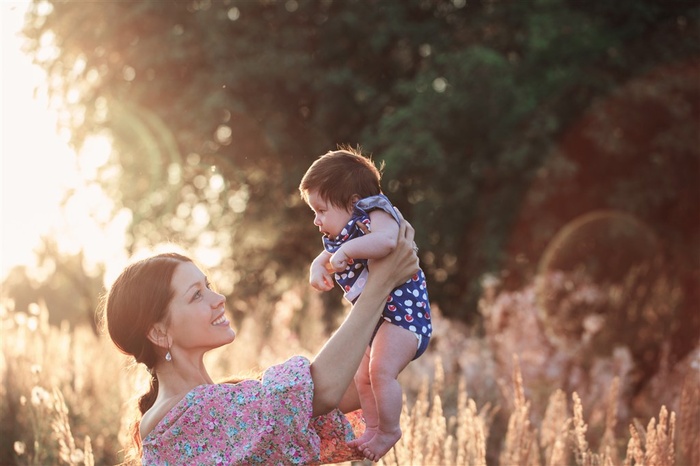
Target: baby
x=358, y=223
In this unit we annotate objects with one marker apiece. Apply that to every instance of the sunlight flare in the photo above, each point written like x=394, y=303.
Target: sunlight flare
x=48, y=191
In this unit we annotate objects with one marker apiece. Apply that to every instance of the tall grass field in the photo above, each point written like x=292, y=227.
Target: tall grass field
x=68, y=396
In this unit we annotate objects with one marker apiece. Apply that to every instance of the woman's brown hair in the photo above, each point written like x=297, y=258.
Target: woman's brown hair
x=137, y=300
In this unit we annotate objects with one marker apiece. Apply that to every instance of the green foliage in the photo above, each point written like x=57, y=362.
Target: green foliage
x=466, y=102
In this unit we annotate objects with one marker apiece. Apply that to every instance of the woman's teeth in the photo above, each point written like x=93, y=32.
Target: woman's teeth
x=220, y=320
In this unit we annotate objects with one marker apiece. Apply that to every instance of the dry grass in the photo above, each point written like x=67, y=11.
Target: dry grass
x=431, y=437
x=67, y=396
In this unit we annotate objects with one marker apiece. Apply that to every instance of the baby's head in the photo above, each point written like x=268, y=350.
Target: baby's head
x=341, y=176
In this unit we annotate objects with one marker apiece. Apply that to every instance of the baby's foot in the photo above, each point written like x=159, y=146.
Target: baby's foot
x=380, y=444
x=362, y=439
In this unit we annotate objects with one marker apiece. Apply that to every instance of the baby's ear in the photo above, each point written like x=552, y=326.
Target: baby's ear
x=158, y=336
x=354, y=199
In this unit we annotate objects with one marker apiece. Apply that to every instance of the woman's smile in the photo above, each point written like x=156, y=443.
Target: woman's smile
x=221, y=320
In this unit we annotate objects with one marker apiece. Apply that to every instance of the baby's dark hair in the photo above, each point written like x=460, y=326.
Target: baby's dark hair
x=339, y=175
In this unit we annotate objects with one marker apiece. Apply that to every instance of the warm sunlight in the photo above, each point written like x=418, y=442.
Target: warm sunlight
x=47, y=190
x=544, y=155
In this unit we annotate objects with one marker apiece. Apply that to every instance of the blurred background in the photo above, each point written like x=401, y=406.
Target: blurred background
x=547, y=153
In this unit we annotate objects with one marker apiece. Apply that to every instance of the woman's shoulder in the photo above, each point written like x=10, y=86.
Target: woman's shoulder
x=167, y=410
x=157, y=412
x=290, y=376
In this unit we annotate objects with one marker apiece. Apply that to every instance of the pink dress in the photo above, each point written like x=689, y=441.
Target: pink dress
x=253, y=422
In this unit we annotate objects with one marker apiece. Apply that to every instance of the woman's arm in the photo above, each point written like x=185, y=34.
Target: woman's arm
x=336, y=363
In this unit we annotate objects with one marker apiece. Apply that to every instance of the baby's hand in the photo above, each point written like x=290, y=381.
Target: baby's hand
x=320, y=277
x=339, y=261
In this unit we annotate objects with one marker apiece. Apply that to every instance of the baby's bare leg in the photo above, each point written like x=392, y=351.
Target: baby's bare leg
x=392, y=349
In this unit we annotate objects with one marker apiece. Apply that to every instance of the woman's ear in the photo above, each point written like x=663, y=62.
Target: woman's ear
x=158, y=336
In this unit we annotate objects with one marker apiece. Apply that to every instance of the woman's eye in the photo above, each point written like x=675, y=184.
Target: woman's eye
x=197, y=294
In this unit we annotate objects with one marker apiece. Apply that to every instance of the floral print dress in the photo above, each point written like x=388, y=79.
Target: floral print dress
x=253, y=422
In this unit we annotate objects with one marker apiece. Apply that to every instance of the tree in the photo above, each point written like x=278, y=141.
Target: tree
x=217, y=108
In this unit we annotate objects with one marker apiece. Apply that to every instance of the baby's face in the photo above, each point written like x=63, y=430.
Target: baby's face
x=329, y=218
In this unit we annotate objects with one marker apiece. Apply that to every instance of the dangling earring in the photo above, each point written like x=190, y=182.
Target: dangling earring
x=168, y=356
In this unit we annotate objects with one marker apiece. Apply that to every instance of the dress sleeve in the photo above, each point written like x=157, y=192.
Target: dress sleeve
x=253, y=422
x=335, y=429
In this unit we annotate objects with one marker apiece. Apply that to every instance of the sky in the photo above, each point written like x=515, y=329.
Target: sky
x=38, y=167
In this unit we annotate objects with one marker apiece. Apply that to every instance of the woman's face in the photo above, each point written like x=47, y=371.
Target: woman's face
x=197, y=321
x=329, y=218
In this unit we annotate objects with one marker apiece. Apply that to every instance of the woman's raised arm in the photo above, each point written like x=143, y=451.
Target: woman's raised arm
x=335, y=365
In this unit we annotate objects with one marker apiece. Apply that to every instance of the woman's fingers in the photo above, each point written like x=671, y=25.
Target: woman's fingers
x=406, y=256
x=406, y=230
x=402, y=263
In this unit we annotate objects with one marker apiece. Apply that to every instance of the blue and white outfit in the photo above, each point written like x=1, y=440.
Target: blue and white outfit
x=407, y=306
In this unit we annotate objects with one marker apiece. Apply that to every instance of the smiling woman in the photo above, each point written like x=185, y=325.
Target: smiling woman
x=47, y=190
x=163, y=312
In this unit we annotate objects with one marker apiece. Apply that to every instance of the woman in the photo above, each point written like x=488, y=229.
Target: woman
x=163, y=312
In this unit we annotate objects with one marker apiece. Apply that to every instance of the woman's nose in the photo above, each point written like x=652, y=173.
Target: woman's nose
x=218, y=299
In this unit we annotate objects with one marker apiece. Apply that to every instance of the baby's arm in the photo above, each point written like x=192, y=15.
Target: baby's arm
x=320, y=273
x=380, y=242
